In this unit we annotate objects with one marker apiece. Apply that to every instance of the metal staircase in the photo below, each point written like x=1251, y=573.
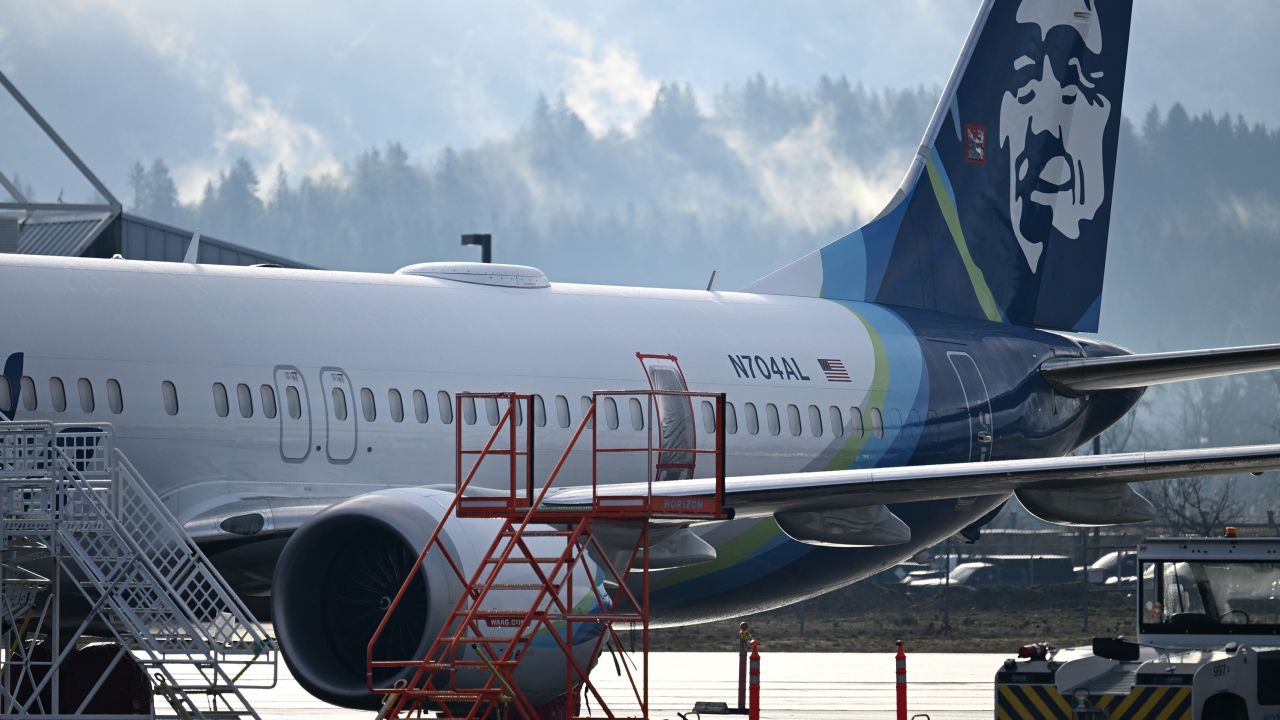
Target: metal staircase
x=529, y=585
x=89, y=551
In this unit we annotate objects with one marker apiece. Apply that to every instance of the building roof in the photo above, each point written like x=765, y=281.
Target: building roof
x=66, y=235
x=72, y=234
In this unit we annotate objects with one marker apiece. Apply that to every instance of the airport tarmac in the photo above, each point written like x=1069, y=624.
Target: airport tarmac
x=946, y=686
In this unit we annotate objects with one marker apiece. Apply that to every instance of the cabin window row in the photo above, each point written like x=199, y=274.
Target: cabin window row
x=770, y=420
x=872, y=423
x=82, y=393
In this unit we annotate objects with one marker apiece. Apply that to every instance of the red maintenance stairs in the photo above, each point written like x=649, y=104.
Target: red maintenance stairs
x=470, y=670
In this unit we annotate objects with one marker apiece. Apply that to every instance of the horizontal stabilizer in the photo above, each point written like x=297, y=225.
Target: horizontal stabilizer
x=1084, y=375
x=763, y=495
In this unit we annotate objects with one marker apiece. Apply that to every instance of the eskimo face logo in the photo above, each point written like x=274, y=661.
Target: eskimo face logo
x=1052, y=123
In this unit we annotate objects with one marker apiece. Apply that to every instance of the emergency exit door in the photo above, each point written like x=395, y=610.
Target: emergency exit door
x=674, y=419
x=977, y=404
x=339, y=416
x=294, y=413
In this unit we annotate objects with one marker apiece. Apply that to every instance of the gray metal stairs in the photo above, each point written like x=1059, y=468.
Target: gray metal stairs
x=79, y=527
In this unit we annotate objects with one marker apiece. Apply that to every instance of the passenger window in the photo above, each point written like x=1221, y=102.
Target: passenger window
x=815, y=421
x=637, y=414
x=793, y=419
x=59, y=394
x=856, y=423
x=339, y=404
x=244, y=397
x=420, y=412
x=115, y=400
x=28, y=393
x=445, y=405
x=931, y=424
x=586, y=406
x=539, y=412
x=877, y=422
x=730, y=419
x=491, y=410
x=895, y=419
x=366, y=404
x=220, y=404
x=267, y=395
x=294, y=400
x=753, y=419
x=611, y=413
x=913, y=422
x=708, y=417
x=562, y=411
x=86, y=395
x=469, y=410
x=837, y=422
x=775, y=423
x=395, y=405
x=517, y=411
x=170, y=395
x=6, y=396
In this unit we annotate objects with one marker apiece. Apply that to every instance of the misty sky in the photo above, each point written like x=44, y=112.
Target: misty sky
x=308, y=84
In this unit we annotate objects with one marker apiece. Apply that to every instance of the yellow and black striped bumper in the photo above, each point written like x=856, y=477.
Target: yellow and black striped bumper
x=1037, y=701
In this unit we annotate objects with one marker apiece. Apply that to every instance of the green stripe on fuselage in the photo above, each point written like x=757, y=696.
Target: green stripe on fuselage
x=847, y=456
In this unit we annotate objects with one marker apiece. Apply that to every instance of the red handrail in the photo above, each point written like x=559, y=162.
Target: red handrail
x=467, y=610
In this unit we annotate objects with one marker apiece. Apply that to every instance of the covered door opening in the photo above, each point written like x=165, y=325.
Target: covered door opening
x=676, y=428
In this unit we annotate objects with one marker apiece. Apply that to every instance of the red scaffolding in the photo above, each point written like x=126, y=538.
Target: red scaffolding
x=470, y=669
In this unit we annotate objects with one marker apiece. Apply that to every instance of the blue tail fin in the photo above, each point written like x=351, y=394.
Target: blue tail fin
x=1005, y=210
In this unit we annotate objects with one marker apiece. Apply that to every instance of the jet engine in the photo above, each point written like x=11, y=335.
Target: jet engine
x=339, y=572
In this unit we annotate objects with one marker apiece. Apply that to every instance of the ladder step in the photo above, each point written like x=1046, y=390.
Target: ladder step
x=524, y=560
x=515, y=586
x=466, y=663
x=452, y=696
x=511, y=532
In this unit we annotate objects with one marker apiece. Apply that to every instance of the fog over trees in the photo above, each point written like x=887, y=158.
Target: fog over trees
x=760, y=174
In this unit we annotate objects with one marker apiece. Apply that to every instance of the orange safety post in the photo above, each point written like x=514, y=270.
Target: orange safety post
x=753, y=713
x=901, y=660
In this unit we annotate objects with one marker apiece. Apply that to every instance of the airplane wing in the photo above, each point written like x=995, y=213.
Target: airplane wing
x=763, y=495
x=1082, y=375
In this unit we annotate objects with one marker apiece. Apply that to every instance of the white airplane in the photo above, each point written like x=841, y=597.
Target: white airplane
x=885, y=392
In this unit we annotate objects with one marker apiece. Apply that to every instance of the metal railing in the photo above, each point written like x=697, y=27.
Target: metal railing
x=77, y=519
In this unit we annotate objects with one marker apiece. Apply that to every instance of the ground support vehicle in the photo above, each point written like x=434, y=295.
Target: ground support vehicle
x=1207, y=644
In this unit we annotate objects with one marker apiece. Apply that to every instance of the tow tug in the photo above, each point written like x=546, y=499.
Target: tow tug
x=1207, y=644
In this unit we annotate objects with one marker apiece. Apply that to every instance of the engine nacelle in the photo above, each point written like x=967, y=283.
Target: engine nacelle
x=1116, y=504
x=339, y=572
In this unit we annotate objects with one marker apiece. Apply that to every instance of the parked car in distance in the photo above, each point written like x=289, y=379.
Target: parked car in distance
x=1119, y=566
x=1007, y=571
x=898, y=573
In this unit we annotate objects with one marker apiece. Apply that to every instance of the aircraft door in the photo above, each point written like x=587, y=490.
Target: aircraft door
x=674, y=417
x=294, y=413
x=977, y=404
x=339, y=416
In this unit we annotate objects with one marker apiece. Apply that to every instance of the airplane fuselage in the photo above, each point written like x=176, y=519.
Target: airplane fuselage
x=238, y=391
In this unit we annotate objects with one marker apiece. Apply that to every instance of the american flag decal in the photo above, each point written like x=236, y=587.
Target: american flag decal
x=834, y=370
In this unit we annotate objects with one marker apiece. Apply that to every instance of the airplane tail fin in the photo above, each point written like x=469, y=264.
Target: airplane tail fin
x=1005, y=210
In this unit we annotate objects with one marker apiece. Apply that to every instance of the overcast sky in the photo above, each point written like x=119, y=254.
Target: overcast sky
x=308, y=83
